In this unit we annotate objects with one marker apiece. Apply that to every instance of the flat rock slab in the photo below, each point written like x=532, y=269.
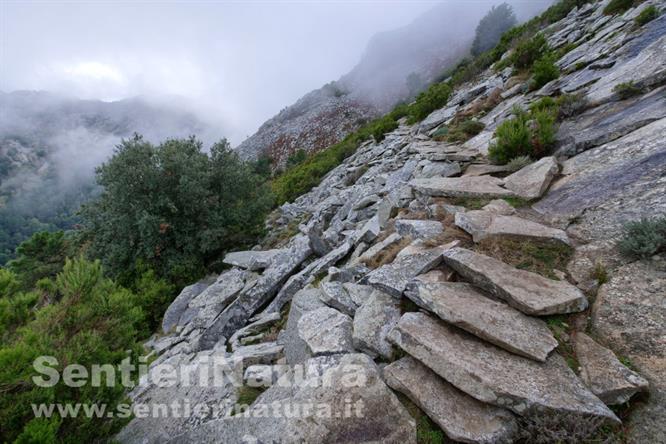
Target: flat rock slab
x=250, y=260
x=533, y=180
x=483, y=187
x=372, y=323
x=604, y=374
x=484, y=168
x=485, y=224
x=493, y=375
x=391, y=241
x=256, y=354
x=460, y=416
x=180, y=304
x=528, y=292
x=295, y=349
x=394, y=277
x=419, y=229
x=462, y=305
x=326, y=331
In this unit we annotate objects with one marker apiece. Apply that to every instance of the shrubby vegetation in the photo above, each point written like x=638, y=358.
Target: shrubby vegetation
x=459, y=132
x=528, y=133
x=491, y=28
x=619, y=6
x=643, y=239
x=647, y=15
x=627, y=90
x=173, y=208
x=77, y=316
x=545, y=70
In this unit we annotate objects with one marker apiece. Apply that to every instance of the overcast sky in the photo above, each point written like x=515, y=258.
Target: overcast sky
x=240, y=61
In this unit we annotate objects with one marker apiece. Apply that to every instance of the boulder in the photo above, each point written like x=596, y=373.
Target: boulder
x=461, y=417
x=326, y=331
x=439, y=169
x=500, y=206
x=253, y=329
x=533, y=180
x=460, y=304
x=604, y=374
x=372, y=322
x=334, y=295
x=528, y=292
x=360, y=410
x=482, y=187
x=493, y=375
x=370, y=231
x=419, y=229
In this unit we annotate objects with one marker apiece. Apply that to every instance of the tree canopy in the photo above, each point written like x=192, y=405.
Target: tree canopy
x=491, y=27
x=173, y=207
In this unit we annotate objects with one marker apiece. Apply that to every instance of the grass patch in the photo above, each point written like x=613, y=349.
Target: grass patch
x=647, y=15
x=517, y=202
x=471, y=203
x=600, y=273
x=247, y=395
x=562, y=331
x=627, y=90
x=540, y=258
x=518, y=163
x=460, y=132
x=619, y=6
x=427, y=432
x=644, y=238
x=387, y=255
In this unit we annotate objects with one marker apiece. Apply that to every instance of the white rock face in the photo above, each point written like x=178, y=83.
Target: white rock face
x=326, y=331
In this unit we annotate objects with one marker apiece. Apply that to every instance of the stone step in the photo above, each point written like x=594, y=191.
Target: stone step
x=460, y=416
x=464, y=306
x=485, y=224
x=604, y=374
x=528, y=292
x=496, y=376
x=394, y=277
x=483, y=187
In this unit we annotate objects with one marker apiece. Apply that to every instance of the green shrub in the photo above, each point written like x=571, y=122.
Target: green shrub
x=529, y=51
x=297, y=157
x=627, y=90
x=428, y=101
x=618, y=6
x=647, y=15
x=643, y=239
x=570, y=105
x=527, y=134
x=545, y=70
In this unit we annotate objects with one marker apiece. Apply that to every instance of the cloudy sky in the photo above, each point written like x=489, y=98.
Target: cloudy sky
x=238, y=61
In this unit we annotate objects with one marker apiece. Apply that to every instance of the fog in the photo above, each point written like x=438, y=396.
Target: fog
x=233, y=63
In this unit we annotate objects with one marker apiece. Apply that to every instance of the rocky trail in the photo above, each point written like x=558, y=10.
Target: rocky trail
x=471, y=290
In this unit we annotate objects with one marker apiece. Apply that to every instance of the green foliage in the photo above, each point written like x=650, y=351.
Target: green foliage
x=428, y=101
x=527, y=134
x=518, y=163
x=529, y=51
x=296, y=158
x=627, y=90
x=94, y=322
x=173, y=207
x=643, y=239
x=618, y=6
x=459, y=132
x=647, y=15
x=545, y=70
x=491, y=28
x=41, y=256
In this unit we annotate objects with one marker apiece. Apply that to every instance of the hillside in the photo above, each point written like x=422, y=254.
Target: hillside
x=470, y=277
x=424, y=49
x=50, y=145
